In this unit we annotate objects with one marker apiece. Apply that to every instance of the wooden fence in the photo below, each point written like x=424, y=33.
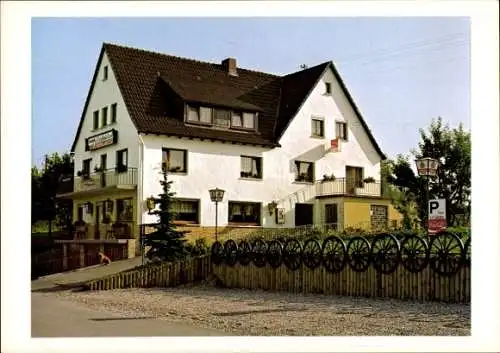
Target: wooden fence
x=401, y=284
x=156, y=275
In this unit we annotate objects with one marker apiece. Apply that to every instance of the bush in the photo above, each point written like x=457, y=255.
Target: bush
x=199, y=248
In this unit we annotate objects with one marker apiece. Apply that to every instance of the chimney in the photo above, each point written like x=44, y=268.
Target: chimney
x=229, y=65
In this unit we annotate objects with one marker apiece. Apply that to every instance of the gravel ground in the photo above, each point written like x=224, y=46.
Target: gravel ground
x=244, y=312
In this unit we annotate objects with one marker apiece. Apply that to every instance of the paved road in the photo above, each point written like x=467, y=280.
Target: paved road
x=53, y=317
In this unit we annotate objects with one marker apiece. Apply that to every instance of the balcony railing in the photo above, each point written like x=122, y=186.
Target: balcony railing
x=349, y=187
x=98, y=180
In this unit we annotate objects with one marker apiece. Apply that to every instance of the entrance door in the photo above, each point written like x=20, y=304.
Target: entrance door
x=331, y=215
x=303, y=214
x=354, y=179
x=98, y=211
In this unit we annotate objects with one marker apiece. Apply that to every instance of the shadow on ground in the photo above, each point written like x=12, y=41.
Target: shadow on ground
x=264, y=311
x=123, y=318
x=78, y=287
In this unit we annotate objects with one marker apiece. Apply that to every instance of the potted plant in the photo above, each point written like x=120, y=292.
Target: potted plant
x=328, y=178
x=98, y=169
x=369, y=180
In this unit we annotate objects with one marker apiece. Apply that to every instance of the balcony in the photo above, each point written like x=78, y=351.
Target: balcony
x=348, y=187
x=94, y=182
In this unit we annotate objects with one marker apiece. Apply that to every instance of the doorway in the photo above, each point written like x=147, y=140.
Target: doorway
x=331, y=215
x=303, y=214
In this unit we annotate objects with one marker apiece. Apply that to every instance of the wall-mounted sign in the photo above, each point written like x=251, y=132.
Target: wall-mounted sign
x=280, y=216
x=104, y=139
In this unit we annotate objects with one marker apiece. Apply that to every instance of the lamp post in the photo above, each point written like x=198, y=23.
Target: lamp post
x=216, y=195
x=427, y=167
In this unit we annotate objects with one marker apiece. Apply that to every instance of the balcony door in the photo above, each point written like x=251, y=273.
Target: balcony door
x=354, y=179
x=104, y=162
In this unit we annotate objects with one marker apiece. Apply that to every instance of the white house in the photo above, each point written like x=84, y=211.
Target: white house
x=266, y=140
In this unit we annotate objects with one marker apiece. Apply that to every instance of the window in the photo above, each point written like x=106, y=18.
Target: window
x=104, y=116
x=236, y=120
x=113, y=113
x=79, y=216
x=318, y=128
x=304, y=171
x=122, y=161
x=205, y=115
x=328, y=88
x=222, y=118
x=86, y=167
x=96, y=120
x=249, y=120
x=199, y=114
x=247, y=213
x=193, y=114
x=175, y=160
x=185, y=211
x=341, y=130
x=251, y=167
x=105, y=73
x=124, y=210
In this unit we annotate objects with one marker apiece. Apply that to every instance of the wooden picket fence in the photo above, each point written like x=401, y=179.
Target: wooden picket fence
x=156, y=275
x=401, y=284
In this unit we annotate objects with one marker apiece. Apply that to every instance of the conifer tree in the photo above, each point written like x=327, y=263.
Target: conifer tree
x=167, y=243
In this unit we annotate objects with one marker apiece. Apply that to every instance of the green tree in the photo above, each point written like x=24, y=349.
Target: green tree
x=167, y=243
x=452, y=147
x=44, y=185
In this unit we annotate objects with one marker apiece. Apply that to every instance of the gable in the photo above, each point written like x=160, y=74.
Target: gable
x=104, y=96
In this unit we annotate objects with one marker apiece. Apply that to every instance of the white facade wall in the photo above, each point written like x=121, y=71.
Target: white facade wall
x=105, y=93
x=214, y=164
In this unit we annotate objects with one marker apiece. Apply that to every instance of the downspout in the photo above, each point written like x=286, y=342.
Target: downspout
x=140, y=190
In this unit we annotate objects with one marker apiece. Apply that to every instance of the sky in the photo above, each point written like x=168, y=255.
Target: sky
x=402, y=72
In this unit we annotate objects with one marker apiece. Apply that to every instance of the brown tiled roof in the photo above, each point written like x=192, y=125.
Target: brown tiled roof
x=139, y=73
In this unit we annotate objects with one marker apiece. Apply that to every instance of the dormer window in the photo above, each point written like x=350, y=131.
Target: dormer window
x=249, y=120
x=199, y=115
x=220, y=117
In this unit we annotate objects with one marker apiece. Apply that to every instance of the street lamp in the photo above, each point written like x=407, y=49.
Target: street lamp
x=427, y=167
x=216, y=196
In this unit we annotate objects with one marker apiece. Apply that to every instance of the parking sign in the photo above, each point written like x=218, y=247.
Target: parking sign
x=437, y=215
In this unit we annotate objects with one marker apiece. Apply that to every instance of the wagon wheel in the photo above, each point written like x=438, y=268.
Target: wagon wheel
x=244, y=253
x=467, y=251
x=445, y=253
x=414, y=253
x=385, y=253
x=275, y=254
x=312, y=254
x=217, y=253
x=292, y=254
x=359, y=253
x=259, y=252
x=231, y=251
x=334, y=254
